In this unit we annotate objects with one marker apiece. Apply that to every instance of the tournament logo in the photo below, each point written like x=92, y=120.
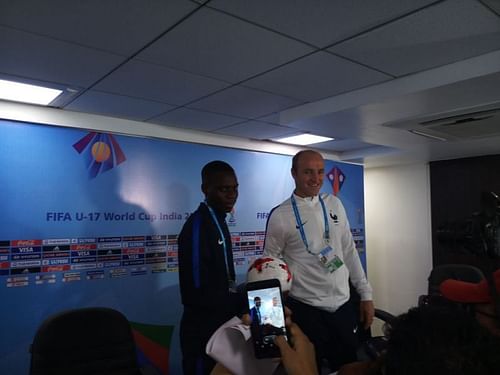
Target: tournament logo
x=101, y=151
x=337, y=178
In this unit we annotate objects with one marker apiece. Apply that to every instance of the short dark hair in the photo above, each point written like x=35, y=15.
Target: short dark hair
x=214, y=167
x=437, y=340
x=296, y=157
x=256, y=298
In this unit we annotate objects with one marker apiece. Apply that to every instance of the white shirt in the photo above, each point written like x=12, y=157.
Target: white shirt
x=312, y=283
x=276, y=316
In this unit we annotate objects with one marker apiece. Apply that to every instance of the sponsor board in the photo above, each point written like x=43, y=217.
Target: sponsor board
x=118, y=272
x=125, y=256
x=95, y=275
x=45, y=279
x=56, y=268
x=71, y=276
x=57, y=241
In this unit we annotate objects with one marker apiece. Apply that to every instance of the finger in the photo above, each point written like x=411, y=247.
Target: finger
x=367, y=325
x=295, y=330
x=369, y=321
x=220, y=370
x=362, y=316
x=283, y=346
x=246, y=319
x=288, y=314
x=298, y=338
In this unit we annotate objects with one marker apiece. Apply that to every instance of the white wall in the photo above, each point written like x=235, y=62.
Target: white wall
x=398, y=234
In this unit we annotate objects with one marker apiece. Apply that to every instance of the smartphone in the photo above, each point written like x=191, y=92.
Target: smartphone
x=265, y=305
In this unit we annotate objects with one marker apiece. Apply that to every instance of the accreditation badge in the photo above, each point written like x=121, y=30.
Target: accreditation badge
x=329, y=259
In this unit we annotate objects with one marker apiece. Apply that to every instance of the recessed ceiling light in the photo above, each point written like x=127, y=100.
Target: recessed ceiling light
x=304, y=139
x=22, y=92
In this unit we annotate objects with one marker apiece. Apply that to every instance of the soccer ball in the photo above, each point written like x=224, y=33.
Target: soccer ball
x=269, y=267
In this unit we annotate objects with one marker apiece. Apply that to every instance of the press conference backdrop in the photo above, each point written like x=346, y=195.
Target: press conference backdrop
x=91, y=219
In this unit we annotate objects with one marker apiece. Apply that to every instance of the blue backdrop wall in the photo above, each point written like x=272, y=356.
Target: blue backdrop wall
x=91, y=219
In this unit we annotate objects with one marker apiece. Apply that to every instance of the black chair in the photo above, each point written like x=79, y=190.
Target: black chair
x=370, y=347
x=90, y=341
x=462, y=272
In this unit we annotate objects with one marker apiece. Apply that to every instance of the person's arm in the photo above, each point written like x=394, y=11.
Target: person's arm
x=366, y=313
x=356, y=273
x=299, y=358
x=200, y=285
x=275, y=237
x=220, y=370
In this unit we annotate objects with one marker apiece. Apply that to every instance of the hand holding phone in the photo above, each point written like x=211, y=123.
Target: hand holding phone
x=266, y=309
x=299, y=359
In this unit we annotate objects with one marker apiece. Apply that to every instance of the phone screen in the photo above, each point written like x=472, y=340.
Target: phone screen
x=268, y=317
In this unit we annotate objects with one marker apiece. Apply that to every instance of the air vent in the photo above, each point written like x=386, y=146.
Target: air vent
x=471, y=116
x=474, y=123
x=469, y=125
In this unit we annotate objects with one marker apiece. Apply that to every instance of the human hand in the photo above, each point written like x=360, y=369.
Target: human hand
x=300, y=358
x=366, y=313
x=246, y=319
x=220, y=370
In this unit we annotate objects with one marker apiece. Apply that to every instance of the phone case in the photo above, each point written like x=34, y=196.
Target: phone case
x=265, y=304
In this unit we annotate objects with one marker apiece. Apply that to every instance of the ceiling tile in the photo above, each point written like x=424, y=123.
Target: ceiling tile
x=216, y=45
x=448, y=32
x=320, y=23
x=317, y=76
x=342, y=145
x=150, y=81
x=36, y=57
x=273, y=118
x=257, y=130
x=195, y=119
x=244, y=102
x=119, y=26
x=117, y=106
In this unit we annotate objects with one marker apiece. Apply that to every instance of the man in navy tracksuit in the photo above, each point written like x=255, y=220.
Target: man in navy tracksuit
x=206, y=268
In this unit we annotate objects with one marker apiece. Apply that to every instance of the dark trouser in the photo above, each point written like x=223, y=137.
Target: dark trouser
x=333, y=334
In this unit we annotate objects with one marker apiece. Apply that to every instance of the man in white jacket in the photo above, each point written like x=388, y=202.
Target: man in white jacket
x=310, y=231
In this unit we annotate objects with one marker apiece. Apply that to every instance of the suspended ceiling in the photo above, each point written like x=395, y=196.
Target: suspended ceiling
x=364, y=72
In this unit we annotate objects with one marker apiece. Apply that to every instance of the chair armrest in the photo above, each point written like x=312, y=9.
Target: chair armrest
x=384, y=316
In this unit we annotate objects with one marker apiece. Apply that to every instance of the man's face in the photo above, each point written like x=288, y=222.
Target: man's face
x=257, y=302
x=221, y=191
x=309, y=174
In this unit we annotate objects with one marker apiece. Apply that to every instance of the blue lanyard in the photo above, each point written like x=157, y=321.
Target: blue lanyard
x=223, y=238
x=300, y=226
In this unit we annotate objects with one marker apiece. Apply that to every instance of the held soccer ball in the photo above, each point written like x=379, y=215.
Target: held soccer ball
x=268, y=267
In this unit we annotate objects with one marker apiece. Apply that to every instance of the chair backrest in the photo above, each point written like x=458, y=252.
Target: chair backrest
x=86, y=341
x=462, y=272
